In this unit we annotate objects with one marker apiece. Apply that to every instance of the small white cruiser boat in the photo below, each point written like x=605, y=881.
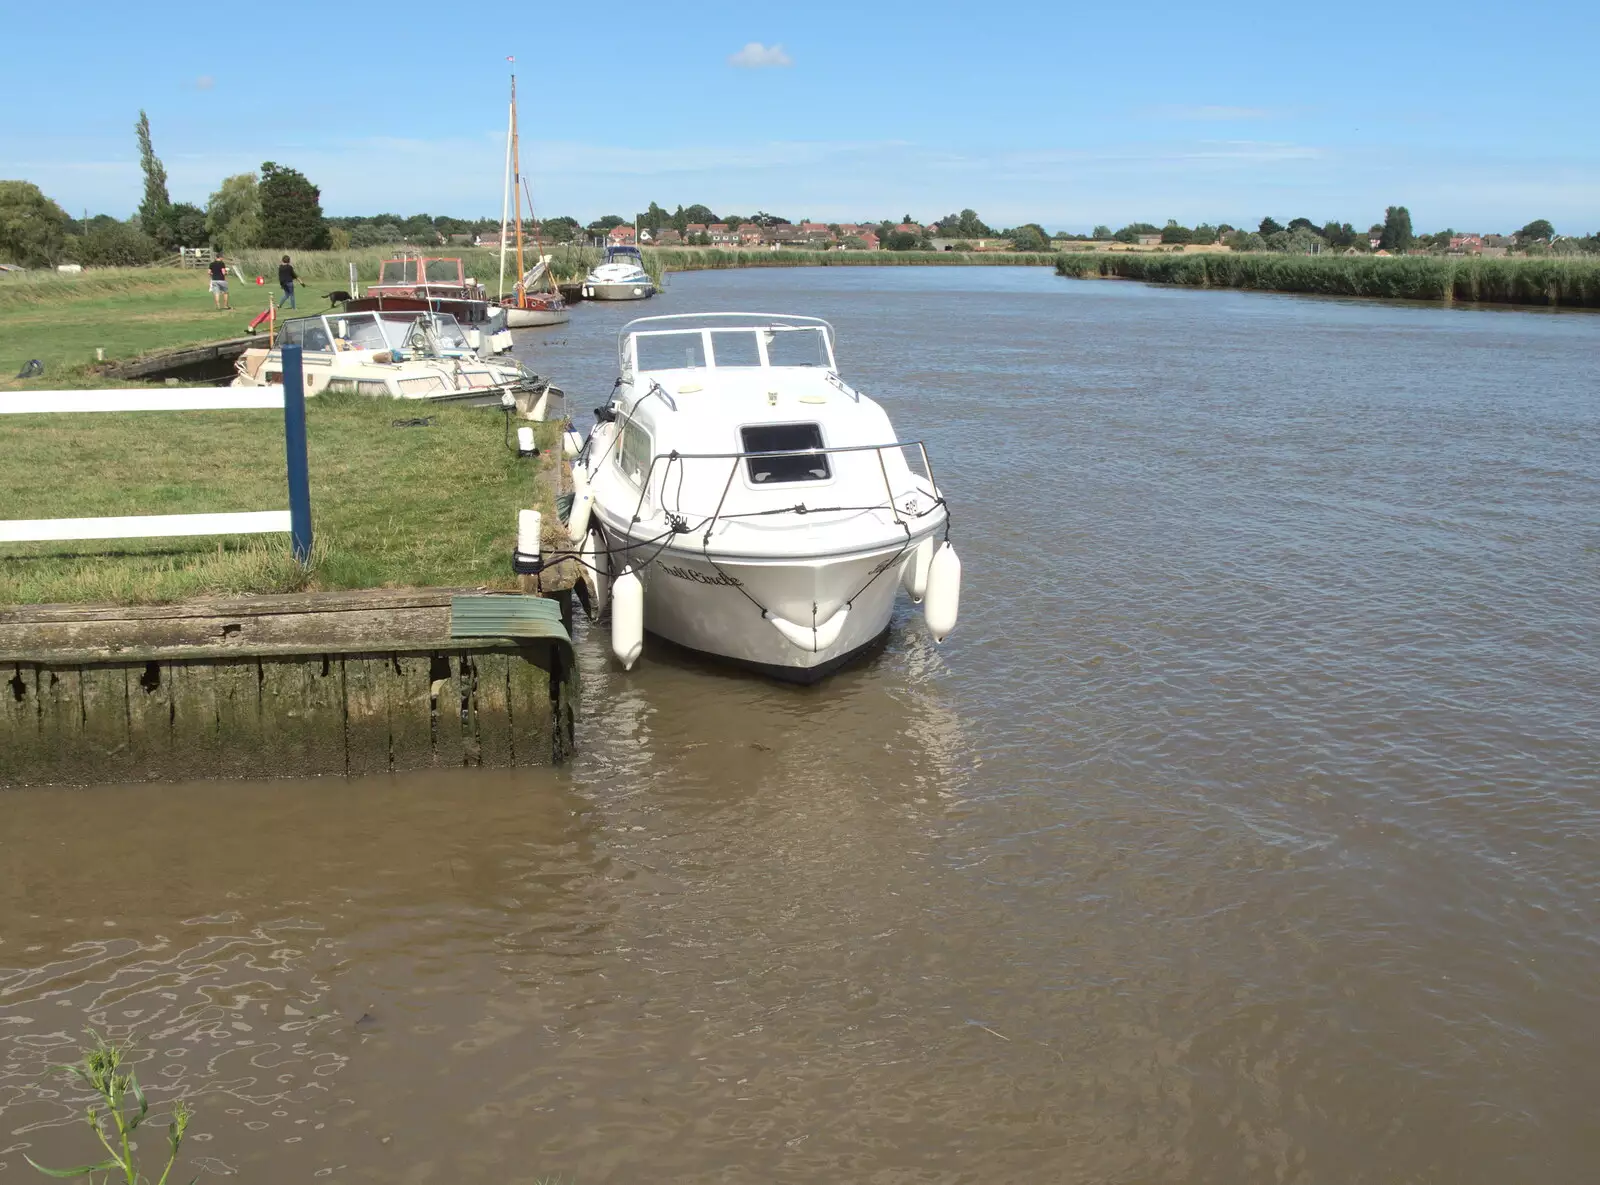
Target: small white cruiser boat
x=403, y=355
x=620, y=277
x=737, y=497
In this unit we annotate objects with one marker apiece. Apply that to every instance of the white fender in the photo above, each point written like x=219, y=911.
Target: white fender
x=943, y=600
x=915, y=573
x=815, y=640
x=582, y=504
x=529, y=533
x=594, y=557
x=627, y=618
x=571, y=443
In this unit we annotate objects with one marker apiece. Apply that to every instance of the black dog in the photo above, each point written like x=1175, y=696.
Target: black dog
x=338, y=297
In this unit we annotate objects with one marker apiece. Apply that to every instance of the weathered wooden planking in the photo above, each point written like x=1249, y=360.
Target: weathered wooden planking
x=397, y=619
x=284, y=716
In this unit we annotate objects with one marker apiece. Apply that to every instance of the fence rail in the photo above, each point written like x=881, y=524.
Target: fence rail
x=290, y=397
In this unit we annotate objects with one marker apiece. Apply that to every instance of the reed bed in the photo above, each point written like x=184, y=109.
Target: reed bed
x=713, y=259
x=1565, y=283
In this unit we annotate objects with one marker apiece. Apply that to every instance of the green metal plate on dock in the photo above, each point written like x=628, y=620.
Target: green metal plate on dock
x=507, y=616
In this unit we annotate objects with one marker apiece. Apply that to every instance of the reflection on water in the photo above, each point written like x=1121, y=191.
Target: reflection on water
x=1245, y=830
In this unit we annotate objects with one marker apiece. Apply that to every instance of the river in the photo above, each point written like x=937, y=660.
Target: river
x=1246, y=830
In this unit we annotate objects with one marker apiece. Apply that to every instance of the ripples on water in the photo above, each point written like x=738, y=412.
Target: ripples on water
x=1245, y=830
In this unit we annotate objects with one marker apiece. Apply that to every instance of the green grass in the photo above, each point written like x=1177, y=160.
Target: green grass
x=1566, y=283
x=391, y=507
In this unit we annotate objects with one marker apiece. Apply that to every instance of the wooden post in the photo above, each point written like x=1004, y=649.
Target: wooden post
x=294, y=440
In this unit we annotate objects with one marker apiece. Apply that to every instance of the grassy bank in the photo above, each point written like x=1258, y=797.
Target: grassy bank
x=61, y=320
x=392, y=506
x=1566, y=283
x=712, y=259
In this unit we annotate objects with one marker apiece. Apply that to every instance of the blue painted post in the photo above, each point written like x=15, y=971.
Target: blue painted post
x=294, y=441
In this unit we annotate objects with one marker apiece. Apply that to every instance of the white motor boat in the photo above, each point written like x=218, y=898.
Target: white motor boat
x=403, y=355
x=620, y=277
x=737, y=497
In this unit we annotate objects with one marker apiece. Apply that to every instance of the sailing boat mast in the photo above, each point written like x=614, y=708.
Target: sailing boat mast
x=505, y=207
x=516, y=167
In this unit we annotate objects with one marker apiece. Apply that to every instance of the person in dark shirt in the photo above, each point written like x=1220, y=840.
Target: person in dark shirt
x=219, y=283
x=286, y=279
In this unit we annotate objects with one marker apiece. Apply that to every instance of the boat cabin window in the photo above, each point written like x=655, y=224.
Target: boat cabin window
x=308, y=333
x=801, y=346
x=399, y=271
x=634, y=451
x=443, y=271
x=364, y=333
x=670, y=351
x=735, y=347
x=780, y=439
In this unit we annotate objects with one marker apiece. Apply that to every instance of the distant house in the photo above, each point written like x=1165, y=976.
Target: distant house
x=870, y=238
x=695, y=228
x=752, y=236
x=491, y=240
x=720, y=234
x=1468, y=244
x=1149, y=240
x=668, y=237
x=909, y=228
x=1373, y=241
x=618, y=235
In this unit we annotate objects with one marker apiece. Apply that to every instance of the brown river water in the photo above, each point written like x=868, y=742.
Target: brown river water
x=1246, y=830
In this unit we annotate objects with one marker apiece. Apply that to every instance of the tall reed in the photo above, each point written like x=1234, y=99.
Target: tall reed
x=714, y=259
x=1567, y=283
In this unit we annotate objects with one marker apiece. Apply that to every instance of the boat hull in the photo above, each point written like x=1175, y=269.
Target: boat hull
x=619, y=291
x=722, y=606
x=533, y=318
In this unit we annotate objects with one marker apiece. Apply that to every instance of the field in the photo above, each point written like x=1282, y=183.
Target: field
x=393, y=504
x=1564, y=283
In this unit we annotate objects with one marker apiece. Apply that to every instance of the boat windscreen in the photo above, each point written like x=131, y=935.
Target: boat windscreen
x=399, y=271
x=796, y=345
x=361, y=331
x=670, y=351
x=443, y=271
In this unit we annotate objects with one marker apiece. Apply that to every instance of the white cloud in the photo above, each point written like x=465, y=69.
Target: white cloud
x=204, y=83
x=756, y=56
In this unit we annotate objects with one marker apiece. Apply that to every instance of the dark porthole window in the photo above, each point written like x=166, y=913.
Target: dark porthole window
x=784, y=438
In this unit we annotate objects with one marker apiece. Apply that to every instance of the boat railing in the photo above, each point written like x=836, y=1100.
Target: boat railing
x=905, y=510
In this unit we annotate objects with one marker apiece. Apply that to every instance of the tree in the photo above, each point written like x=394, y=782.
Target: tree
x=291, y=210
x=1131, y=232
x=700, y=214
x=655, y=218
x=1302, y=224
x=1539, y=230
x=186, y=222
x=765, y=221
x=900, y=240
x=1173, y=233
x=1339, y=234
x=1269, y=226
x=1244, y=240
x=733, y=221
x=1029, y=237
x=1203, y=234
x=1101, y=234
x=1396, y=229
x=603, y=225
x=155, y=210
x=33, y=229
x=233, y=213
x=562, y=228
x=119, y=244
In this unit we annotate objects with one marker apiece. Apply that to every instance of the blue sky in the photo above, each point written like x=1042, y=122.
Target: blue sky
x=1475, y=116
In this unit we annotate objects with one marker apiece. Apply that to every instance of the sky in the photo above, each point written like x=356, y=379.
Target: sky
x=1474, y=116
